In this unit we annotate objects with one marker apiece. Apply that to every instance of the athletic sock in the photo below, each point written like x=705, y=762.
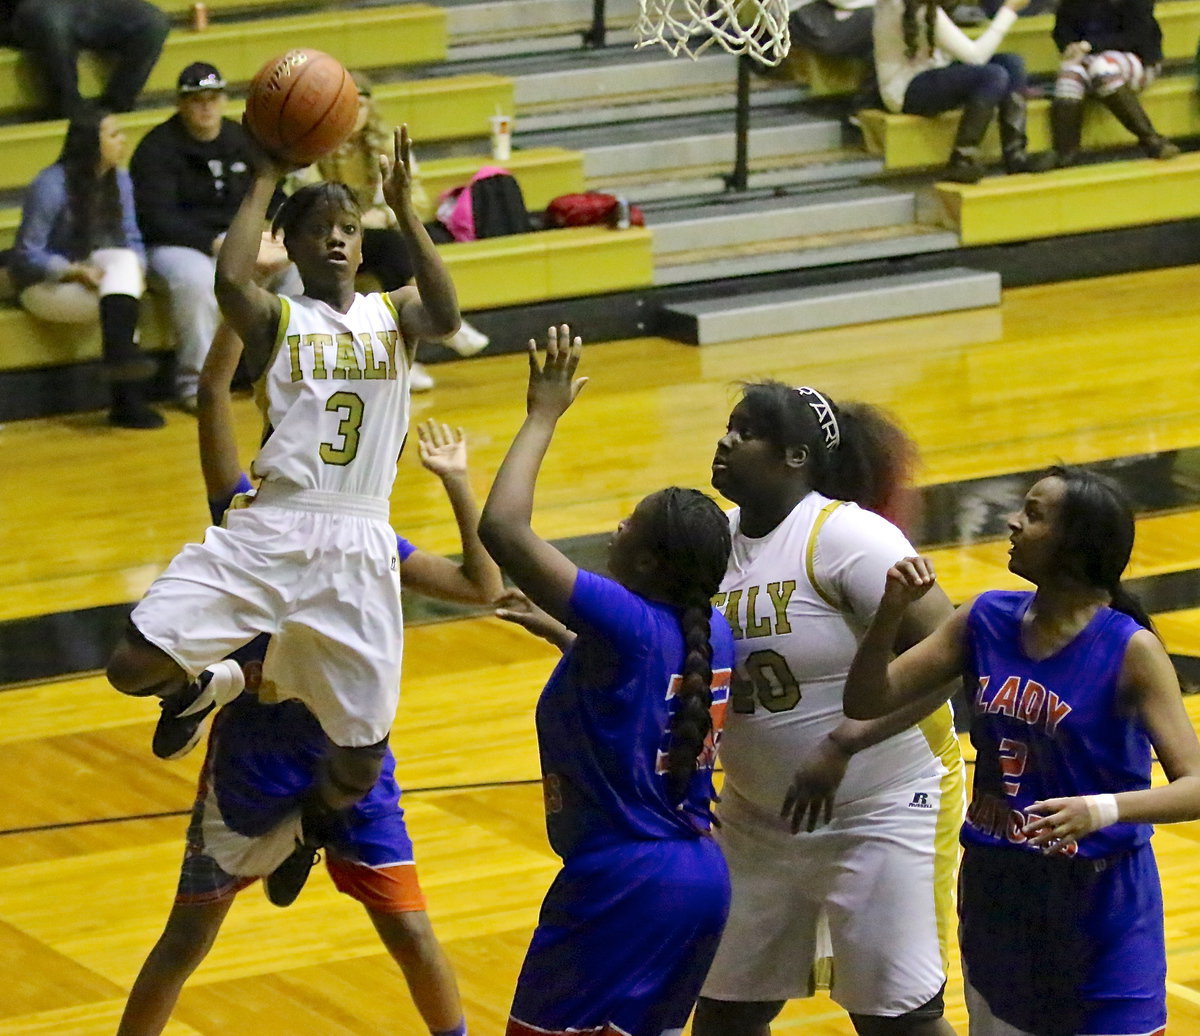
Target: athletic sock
x=458, y=1030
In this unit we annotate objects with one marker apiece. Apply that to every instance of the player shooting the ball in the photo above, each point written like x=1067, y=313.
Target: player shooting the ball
x=313, y=560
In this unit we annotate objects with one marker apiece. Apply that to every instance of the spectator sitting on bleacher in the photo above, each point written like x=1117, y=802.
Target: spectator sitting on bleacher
x=53, y=32
x=78, y=257
x=189, y=176
x=385, y=254
x=927, y=65
x=1111, y=49
x=835, y=28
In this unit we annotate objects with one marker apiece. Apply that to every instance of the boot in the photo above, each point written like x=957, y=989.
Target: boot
x=127, y=367
x=1066, y=128
x=130, y=409
x=964, y=166
x=123, y=360
x=1013, y=142
x=1124, y=104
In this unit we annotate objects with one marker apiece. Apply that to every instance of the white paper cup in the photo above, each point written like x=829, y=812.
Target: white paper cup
x=501, y=137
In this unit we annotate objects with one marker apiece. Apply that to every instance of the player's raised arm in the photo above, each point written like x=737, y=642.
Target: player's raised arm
x=430, y=310
x=543, y=572
x=476, y=579
x=251, y=310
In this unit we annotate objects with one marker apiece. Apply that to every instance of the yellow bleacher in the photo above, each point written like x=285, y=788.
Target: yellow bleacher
x=1072, y=201
x=914, y=142
x=375, y=37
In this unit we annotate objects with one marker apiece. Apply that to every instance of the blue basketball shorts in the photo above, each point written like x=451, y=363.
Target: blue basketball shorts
x=624, y=940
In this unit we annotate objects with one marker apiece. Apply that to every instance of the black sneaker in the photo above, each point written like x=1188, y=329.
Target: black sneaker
x=183, y=714
x=284, y=883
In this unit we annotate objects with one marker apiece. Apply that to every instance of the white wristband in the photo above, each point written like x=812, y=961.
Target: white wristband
x=1102, y=810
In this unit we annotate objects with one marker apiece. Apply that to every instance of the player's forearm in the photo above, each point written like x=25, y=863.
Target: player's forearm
x=1170, y=804
x=853, y=735
x=868, y=694
x=236, y=261
x=508, y=512
x=438, y=295
x=478, y=568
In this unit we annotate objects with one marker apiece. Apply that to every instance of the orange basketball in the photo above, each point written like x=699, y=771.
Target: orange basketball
x=302, y=105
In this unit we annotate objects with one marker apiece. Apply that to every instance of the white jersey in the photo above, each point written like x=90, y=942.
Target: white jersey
x=799, y=600
x=336, y=397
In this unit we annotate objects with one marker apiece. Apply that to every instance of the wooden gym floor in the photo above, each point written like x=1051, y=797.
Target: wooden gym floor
x=91, y=824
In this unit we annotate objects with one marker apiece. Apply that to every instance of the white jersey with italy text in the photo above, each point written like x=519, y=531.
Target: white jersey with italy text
x=336, y=397
x=799, y=600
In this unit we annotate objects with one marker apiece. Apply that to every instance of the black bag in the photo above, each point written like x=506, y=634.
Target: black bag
x=498, y=206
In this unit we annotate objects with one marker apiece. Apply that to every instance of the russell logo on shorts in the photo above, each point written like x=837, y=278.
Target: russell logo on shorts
x=920, y=800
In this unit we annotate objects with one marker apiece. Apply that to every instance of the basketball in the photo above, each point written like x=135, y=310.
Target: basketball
x=302, y=105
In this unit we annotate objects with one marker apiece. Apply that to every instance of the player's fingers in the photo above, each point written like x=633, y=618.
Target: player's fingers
x=531, y=353
x=405, y=147
x=577, y=387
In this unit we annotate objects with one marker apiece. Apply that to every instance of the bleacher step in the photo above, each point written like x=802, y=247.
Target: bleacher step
x=650, y=149
x=727, y=319
x=783, y=254
x=730, y=223
x=527, y=19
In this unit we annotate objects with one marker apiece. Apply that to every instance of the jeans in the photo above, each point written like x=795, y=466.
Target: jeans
x=937, y=90
x=53, y=34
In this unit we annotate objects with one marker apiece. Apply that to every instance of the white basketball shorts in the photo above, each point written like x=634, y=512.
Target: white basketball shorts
x=323, y=580
x=881, y=875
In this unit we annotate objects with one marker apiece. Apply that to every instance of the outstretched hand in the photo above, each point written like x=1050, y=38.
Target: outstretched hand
x=552, y=384
x=443, y=449
x=908, y=580
x=396, y=171
x=809, y=800
x=513, y=606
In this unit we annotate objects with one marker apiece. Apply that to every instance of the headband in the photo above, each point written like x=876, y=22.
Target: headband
x=826, y=417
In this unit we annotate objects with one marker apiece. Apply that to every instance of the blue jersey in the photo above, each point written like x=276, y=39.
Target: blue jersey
x=603, y=722
x=1050, y=728
x=264, y=757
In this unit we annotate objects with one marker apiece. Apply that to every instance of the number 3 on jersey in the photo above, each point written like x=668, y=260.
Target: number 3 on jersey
x=766, y=676
x=349, y=407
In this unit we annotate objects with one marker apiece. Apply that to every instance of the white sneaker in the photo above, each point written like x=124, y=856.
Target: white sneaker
x=467, y=341
x=419, y=379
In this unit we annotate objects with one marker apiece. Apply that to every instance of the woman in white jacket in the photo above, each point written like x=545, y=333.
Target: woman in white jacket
x=927, y=65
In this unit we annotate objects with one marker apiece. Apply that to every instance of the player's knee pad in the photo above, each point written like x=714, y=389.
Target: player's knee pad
x=355, y=770
x=899, y=1025
x=722, y=1017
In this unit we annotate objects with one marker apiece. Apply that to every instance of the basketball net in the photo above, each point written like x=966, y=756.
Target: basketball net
x=755, y=27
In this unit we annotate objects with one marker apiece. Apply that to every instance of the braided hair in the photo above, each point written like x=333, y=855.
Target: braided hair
x=1095, y=536
x=296, y=207
x=927, y=12
x=93, y=199
x=689, y=534
x=869, y=461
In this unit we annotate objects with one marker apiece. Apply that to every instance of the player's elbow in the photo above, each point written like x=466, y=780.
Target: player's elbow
x=499, y=535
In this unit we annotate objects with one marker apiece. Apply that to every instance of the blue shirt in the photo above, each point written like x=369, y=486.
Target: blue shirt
x=1051, y=728
x=603, y=722
x=43, y=247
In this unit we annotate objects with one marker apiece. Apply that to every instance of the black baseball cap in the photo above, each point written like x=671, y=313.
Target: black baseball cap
x=199, y=76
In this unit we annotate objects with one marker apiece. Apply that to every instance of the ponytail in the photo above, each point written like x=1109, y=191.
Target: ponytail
x=872, y=465
x=1122, y=600
x=692, y=722
x=691, y=538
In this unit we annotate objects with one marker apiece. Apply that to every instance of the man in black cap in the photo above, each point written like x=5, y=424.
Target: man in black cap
x=53, y=32
x=189, y=175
